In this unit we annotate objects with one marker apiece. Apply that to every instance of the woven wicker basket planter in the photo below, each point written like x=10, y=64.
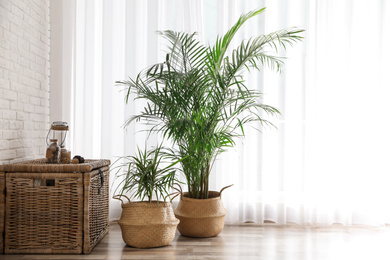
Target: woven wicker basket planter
x=2, y=210
x=146, y=225
x=201, y=217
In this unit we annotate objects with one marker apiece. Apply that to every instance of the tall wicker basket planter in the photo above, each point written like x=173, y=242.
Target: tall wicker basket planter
x=146, y=225
x=201, y=217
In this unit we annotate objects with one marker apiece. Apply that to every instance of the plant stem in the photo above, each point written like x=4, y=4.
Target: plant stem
x=201, y=183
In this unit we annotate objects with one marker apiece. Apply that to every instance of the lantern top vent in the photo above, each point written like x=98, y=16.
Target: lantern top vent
x=59, y=126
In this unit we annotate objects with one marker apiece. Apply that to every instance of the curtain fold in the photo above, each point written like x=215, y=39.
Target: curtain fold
x=327, y=161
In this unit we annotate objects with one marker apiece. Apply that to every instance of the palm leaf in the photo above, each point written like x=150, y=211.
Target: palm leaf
x=198, y=97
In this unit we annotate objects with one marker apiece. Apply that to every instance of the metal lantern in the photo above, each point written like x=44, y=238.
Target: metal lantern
x=56, y=137
x=59, y=131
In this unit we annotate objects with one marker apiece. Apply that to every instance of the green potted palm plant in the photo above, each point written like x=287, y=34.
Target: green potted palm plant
x=198, y=98
x=146, y=223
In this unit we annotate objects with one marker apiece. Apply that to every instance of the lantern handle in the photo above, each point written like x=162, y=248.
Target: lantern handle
x=47, y=137
x=62, y=141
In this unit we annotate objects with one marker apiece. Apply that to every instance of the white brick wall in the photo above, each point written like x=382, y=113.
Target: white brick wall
x=24, y=79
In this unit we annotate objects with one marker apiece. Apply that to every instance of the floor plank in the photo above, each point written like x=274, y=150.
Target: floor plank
x=250, y=242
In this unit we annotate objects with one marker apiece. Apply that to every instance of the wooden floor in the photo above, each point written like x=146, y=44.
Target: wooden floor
x=251, y=242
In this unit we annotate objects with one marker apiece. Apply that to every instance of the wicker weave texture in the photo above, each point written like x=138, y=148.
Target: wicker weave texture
x=40, y=165
x=201, y=217
x=43, y=213
x=2, y=210
x=53, y=212
x=146, y=225
x=96, y=207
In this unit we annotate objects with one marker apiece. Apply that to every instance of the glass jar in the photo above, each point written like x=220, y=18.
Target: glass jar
x=65, y=156
x=53, y=152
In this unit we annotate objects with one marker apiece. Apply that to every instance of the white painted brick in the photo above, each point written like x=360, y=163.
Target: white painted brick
x=4, y=62
x=45, y=102
x=5, y=24
x=22, y=116
x=13, y=19
x=4, y=43
x=40, y=61
x=18, y=160
x=38, y=133
x=4, y=103
x=41, y=110
x=4, y=83
x=9, y=114
x=22, y=152
x=9, y=94
x=4, y=124
x=35, y=41
x=45, y=86
x=24, y=78
x=23, y=43
x=36, y=50
x=16, y=144
x=29, y=72
x=36, y=118
x=8, y=134
x=42, y=150
x=10, y=75
x=4, y=144
x=41, y=77
x=28, y=142
x=28, y=108
x=23, y=134
x=16, y=29
x=7, y=154
x=35, y=84
x=6, y=5
x=44, y=38
x=34, y=150
x=17, y=106
x=20, y=88
x=10, y=38
x=28, y=126
x=11, y=55
x=22, y=97
x=35, y=100
x=38, y=142
x=17, y=68
x=15, y=125
x=39, y=126
x=44, y=95
x=16, y=10
x=23, y=61
x=34, y=66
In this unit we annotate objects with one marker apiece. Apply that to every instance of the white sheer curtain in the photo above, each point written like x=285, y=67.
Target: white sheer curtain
x=328, y=160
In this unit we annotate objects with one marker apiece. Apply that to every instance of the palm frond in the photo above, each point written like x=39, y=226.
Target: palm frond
x=199, y=99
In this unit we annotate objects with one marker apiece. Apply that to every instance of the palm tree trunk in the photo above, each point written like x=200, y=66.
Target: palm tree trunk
x=206, y=181
x=201, y=183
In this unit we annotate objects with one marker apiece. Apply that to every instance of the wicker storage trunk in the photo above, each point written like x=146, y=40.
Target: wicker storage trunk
x=2, y=198
x=54, y=208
